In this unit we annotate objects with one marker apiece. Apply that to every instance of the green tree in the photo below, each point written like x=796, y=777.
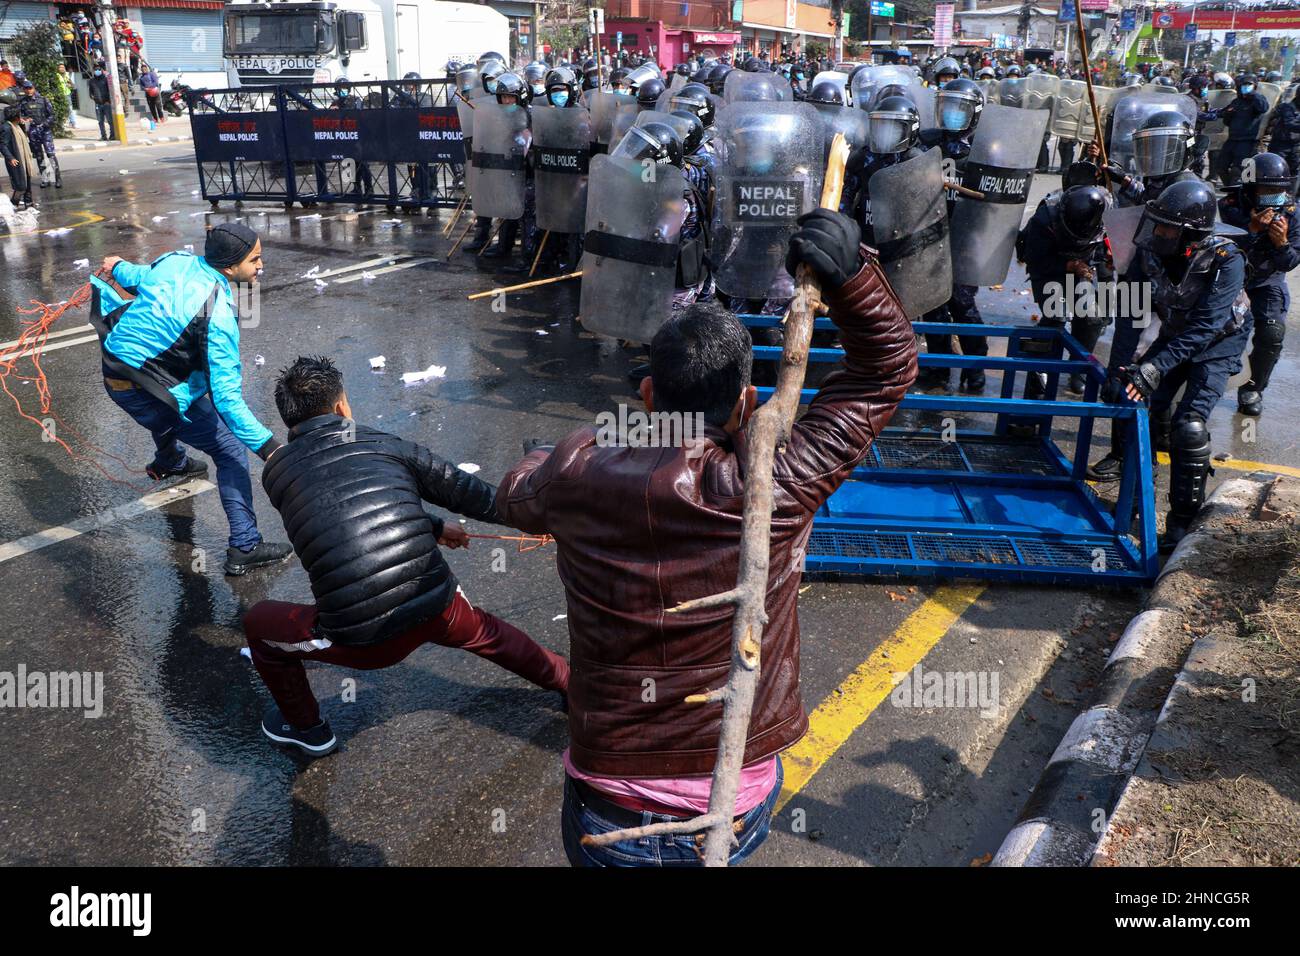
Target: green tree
x=39, y=50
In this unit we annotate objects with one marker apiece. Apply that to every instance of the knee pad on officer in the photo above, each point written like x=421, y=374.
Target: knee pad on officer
x=1270, y=332
x=1191, y=434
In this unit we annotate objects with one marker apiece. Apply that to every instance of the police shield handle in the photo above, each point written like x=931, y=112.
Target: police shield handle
x=768, y=429
x=524, y=285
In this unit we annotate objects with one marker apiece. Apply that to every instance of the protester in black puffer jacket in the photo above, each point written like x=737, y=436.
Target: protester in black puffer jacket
x=352, y=499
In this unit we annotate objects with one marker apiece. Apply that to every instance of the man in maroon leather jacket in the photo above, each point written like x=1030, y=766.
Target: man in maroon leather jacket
x=642, y=529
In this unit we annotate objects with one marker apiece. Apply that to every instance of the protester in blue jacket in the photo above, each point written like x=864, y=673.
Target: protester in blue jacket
x=170, y=336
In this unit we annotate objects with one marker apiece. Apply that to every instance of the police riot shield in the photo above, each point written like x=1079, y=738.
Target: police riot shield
x=923, y=97
x=770, y=174
x=604, y=106
x=1000, y=167
x=853, y=123
x=1134, y=110
x=840, y=80
x=1271, y=92
x=990, y=88
x=869, y=81
x=909, y=220
x=500, y=145
x=1011, y=91
x=1121, y=223
x=1040, y=90
x=744, y=87
x=629, y=260
x=1105, y=96
x=562, y=148
x=624, y=119
x=678, y=81
x=682, y=127
x=1217, y=130
x=1071, y=98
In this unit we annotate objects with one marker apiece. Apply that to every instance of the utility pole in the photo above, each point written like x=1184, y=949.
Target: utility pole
x=109, y=46
x=1187, y=44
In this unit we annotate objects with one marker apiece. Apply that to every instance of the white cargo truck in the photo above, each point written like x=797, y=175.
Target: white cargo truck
x=318, y=42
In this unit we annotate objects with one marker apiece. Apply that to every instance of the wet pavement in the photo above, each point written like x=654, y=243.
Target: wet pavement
x=444, y=759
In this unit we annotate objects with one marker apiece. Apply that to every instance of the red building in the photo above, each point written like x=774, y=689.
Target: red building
x=670, y=31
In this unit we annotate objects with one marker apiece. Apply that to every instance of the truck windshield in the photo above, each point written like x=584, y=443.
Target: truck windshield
x=296, y=34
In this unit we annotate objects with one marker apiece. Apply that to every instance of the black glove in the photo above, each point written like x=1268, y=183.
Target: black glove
x=1145, y=378
x=1116, y=171
x=827, y=242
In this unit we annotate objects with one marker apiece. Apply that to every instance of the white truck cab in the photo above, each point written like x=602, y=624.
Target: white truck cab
x=318, y=41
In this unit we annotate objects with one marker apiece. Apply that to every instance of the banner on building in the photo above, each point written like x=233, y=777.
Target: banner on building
x=943, y=25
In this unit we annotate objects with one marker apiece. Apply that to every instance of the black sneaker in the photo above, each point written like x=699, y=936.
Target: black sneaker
x=931, y=379
x=1110, y=468
x=1076, y=383
x=265, y=553
x=191, y=469
x=315, y=741
x=972, y=381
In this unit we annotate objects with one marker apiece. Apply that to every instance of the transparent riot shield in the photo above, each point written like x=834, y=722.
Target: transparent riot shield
x=604, y=106
x=500, y=146
x=853, y=123
x=1217, y=130
x=1134, y=110
x=990, y=88
x=743, y=87
x=1011, y=92
x=1271, y=92
x=680, y=126
x=1121, y=224
x=1070, y=100
x=1105, y=96
x=770, y=174
x=909, y=219
x=624, y=120
x=868, y=82
x=1041, y=90
x=629, y=260
x=841, y=81
x=1001, y=167
x=562, y=147
x=678, y=81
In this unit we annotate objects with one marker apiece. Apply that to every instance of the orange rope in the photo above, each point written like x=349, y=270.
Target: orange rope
x=30, y=345
x=533, y=541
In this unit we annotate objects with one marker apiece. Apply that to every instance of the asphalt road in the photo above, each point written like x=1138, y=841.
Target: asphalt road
x=444, y=759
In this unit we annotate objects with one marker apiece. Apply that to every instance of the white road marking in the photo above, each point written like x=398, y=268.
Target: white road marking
x=395, y=268
x=73, y=529
x=53, y=335
x=383, y=260
x=50, y=348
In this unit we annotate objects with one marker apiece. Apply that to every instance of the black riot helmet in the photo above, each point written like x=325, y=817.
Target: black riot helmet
x=695, y=97
x=682, y=69
x=561, y=87
x=590, y=74
x=512, y=84
x=656, y=142
x=718, y=78
x=895, y=125
x=488, y=57
x=695, y=135
x=946, y=69
x=1266, y=180
x=535, y=77
x=1245, y=84
x=754, y=65
x=826, y=91
x=1014, y=70
x=489, y=73
x=1273, y=76
x=618, y=81
x=1162, y=145
x=1081, y=211
x=1165, y=82
x=648, y=93
x=958, y=105
x=1180, y=217
x=986, y=73
x=1222, y=81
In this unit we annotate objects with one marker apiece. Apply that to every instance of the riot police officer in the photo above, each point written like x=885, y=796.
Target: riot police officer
x=491, y=68
x=1163, y=149
x=1264, y=206
x=1283, y=132
x=695, y=98
x=512, y=92
x=39, y=113
x=892, y=138
x=1244, y=118
x=1065, y=238
x=535, y=77
x=648, y=93
x=957, y=109
x=946, y=69
x=1195, y=279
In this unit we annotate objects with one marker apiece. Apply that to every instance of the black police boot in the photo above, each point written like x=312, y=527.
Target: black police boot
x=1189, y=473
x=1250, y=400
x=1109, y=468
x=972, y=381
x=58, y=173
x=505, y=240
x=262, y=555
x=482, y=233
x=1160, y=426
x=932, y=379
x=1076, y=383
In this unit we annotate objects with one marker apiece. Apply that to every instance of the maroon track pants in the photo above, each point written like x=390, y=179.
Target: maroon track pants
x=282, y=635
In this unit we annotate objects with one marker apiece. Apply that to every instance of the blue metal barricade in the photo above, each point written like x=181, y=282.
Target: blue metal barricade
x=1008, y=503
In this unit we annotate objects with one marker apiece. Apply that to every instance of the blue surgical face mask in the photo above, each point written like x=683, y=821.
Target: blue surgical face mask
x=1247, y=88
x=99, y=72
x=490, y=86
x=1271, y=199
x=539, y=89
x=953, y=119
x=559, y=97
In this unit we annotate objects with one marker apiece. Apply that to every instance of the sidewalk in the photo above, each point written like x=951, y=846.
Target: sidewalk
x=86, y=135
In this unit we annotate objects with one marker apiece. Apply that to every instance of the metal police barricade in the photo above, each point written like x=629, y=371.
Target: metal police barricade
x=770, y=174
x=562, y=151
x=337, y=140
x=1001, y=168
x=239, y=145
x=425, y=146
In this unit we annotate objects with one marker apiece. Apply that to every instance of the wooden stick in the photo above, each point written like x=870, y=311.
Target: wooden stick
x=468, y=226
x=768, y=430
x=525, y=285
x=447, y=229
x=496, y=230
x=962, y=190
x=1100, y=139
x=538, y=258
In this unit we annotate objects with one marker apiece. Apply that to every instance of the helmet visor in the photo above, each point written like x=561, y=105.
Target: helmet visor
x=889, y=132
x=639, y=146
x=954, y=112
x=1159, y=152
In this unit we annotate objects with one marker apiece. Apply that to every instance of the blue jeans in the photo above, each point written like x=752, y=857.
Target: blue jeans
x=206, y=431
x=584, y=813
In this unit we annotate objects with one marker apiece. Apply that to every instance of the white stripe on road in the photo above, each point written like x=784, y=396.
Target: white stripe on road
x=53, y=335
x=73, y=529
x=384, y=260
x=31, y=349
x=395, y=268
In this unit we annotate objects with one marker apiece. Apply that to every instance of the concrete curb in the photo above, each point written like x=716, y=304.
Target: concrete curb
x=1083, y=782
x=80, y=146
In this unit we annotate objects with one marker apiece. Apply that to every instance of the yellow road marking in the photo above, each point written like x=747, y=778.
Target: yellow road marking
x=1240, y=464
x=88, y=219
x=840, y=714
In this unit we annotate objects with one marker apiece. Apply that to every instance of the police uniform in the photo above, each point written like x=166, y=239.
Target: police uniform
x=40, y=112
x=1243, y=117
